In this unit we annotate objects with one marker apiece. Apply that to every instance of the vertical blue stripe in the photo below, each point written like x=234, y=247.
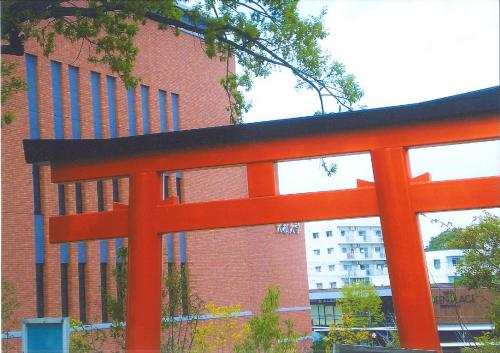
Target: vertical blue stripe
x=82, y=252
x=31, y=79
x=175, y=111
x=145, y=109
x=111, y=89
x=118, y=245
x=182, y=246
x=74, y=102
x=64, y=253
x=163, y=110
x=39, y=241
x=103, y=249
x=96, y=104
x=170, y=248
x=55, y=74
x=131, y=112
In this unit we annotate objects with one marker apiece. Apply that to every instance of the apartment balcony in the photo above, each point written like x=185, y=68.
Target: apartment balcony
x=356, y=274
x=367, y=256
x=356, y=239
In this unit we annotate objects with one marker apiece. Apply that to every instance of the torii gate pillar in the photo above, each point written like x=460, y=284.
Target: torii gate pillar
x=144, y=271
x=404, y=250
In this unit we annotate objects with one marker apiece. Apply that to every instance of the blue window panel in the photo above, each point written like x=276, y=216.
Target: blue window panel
x=64, y=253
x=111, y=89
x=163, y=110
x=96, y=104
x=118, y=245
x=74, y=102
x=182, y=246
x=170, y=248
x=55, y=74
x=103, y=251
x=132, y=131
x=175, y=111
x=82, y=252
x=31, y=79
x=145, y=109
x=39, y=241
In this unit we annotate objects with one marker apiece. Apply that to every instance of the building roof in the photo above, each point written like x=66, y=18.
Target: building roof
x=462, y=106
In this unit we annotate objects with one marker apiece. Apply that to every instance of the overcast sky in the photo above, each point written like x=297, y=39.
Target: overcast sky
x=401, y=52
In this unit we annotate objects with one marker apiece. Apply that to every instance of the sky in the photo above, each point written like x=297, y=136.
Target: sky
x=401, y=52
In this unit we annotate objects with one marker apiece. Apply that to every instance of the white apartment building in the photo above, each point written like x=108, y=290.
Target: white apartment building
x=342, y=252
x=442, y=265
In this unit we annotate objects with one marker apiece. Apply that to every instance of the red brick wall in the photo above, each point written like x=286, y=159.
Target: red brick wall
x=232, y=266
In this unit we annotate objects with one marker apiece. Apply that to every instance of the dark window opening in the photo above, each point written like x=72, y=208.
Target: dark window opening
x=100, y=196
x=64, y=290
x=184, y=290
x=178, y=185
x=78, y=198
x=165, y=186
x=40, y=300
x=116, y=191
x=61, y=199
x=81, y=292
x=104, y=292
x=37, y=202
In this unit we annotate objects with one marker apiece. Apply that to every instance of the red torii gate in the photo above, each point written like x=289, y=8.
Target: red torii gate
x=394, y=196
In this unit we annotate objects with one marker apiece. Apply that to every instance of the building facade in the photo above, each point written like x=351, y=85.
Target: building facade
x=339, y=253
x=343, y=252
x=70, y=98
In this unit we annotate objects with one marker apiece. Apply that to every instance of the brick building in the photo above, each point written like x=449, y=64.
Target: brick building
x=70, y=98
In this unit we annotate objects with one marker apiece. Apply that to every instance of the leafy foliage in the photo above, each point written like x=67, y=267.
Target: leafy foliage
x=218, y=335
x=480, y=266
x=262, y=34
x=361, y=308
x=444, y=240
x=9, y=302
x=266, y=332
x=85, y=340
x=10, y=85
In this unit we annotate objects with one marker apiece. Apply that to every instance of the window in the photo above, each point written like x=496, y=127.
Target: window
x=363, y=267
x=380, y=266
x=362, y=233
x=347, y=267
x=331, y=267
x=316, y=251
x=317, y=268
x=378, y=233
x=342, y=233
x=437, y=264
x=315, y=235
x=377, y=249
x=329, y=234
x=330, y=251
x=362, y=250
x=453, y=261
x=344, y=250
x=333, y=284
x=319, y=285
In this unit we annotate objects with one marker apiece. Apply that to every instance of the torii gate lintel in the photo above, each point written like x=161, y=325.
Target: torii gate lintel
x=394, y=196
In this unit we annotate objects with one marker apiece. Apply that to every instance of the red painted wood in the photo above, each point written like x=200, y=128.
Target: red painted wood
x=411, y=293
x=262, y=179
x=455, y=194
x=144, y=270
x=283, y=149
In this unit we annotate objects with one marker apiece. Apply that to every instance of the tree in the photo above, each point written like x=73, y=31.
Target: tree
x=444, y=240
x=361, y=308
x=261, y=34
x=480, y=268
x=265, y=333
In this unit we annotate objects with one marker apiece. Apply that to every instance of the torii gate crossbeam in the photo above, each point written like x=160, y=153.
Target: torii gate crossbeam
x=395, y=196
